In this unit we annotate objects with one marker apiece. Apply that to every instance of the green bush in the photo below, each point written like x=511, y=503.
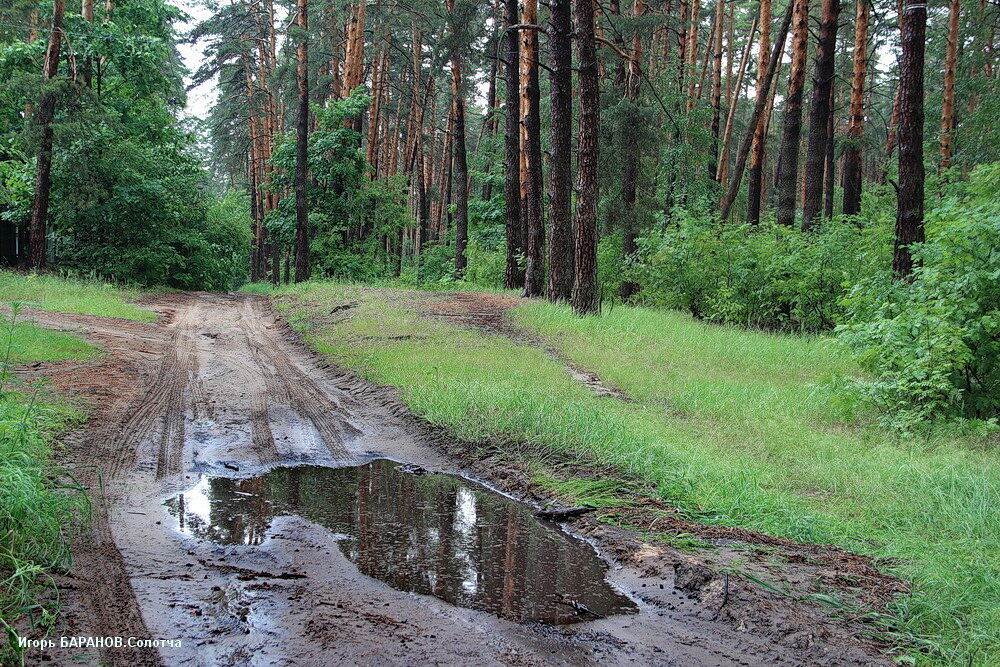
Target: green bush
x=933, y=345
x=767, y=276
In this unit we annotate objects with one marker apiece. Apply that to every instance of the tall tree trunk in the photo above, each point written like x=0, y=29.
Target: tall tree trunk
x=758, y=110
x=720, y=13
x=531, y=156
x=722, y=176
x=460, y=166
x=513, y=272
x=891, y=131
x=829, y=170
x=45, y=115
x=630, y=157
x=354, y=49
x=820, y=113
x=910, y=210
x=585, y=299
x=87, y=12
x=302, y=268
x=948, y=98
x=856, y=128
x=755, y=179
x=788, y=174
x=560, y=283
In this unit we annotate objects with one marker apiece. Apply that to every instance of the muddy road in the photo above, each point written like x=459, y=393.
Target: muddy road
x=266, y=508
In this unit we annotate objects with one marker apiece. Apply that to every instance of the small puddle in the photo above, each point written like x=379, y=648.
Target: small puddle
x=431, y=533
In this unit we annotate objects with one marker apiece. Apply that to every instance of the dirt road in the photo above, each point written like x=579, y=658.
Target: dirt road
x=219, y=523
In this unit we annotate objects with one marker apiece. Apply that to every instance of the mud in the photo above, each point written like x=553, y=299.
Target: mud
x=421, y=532
x=218, y=394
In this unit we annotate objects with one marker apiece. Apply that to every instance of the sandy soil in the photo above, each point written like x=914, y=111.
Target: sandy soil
x=221, y=386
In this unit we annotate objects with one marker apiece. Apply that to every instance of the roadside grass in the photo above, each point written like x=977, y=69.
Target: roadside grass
x=256, y=288
x=733, y=427
x=72, y=295
x=39, y=506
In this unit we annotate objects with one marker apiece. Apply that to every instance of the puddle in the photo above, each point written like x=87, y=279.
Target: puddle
x=433, y=534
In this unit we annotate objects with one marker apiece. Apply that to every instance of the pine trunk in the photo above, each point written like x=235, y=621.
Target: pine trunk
x=948, y=98
x=755, y=179
x=513, y=272
x=788, y=173
x=560, y=281
x=856, y=128
x=585, y=299
x=910, y=210
x=531, y=156
x=45, y=115
x=302, y=147
x=820, y=114
x=758, y=111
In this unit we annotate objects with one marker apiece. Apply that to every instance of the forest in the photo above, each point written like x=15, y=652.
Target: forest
x=790, y=211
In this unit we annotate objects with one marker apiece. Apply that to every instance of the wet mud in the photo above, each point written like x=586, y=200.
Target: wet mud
x=427, y=533
x=301, y=545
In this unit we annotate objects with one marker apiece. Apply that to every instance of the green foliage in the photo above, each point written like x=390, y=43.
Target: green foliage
x=350, y=215
x=768, y=276
x=933, y=345
x=142, y=213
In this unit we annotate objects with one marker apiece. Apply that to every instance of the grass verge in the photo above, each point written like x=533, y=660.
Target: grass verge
x=38, y=504
x=733, y=427
x=69, y=295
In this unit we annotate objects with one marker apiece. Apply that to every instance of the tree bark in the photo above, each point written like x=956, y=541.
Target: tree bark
x=302, y=268
x=513, y=272
x=910, y=198
x=531, y=156
x=820, y=113
x=45, y=116
x=460, y=166
x=560, y=282
x=856, y=127
x=788, y=173
x=720, y=12
x=755, y=180
x=630, y=157
x=758, y=110
x=722, y=176
x=948, y=98
x=585, y=299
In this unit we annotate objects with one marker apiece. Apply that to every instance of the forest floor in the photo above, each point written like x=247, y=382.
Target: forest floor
x=217, y=522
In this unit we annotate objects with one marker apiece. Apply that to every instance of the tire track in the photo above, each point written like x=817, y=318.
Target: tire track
x=282, y=378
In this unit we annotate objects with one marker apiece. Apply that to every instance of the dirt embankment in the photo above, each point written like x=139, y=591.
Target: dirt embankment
x=220, y=388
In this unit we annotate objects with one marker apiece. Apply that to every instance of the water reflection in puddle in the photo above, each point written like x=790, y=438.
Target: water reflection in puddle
x=434, y=534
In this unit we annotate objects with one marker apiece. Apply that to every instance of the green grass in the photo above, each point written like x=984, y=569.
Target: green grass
x=38, y=506
x=734, y=427
x=257, y=288
x=31, y=343
x=68, y=295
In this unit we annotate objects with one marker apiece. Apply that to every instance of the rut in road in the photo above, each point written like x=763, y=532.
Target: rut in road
x=219, y=388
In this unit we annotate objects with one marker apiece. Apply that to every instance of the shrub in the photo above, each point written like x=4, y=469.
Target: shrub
x=932, y=345
x=767, y=276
